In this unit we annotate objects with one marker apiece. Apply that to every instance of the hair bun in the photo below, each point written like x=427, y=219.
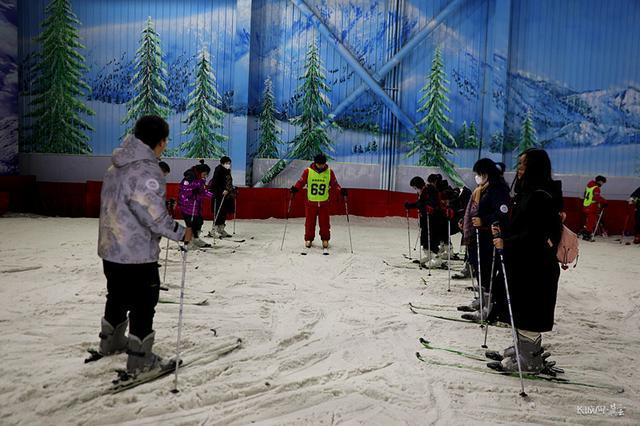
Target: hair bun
x=201, y=161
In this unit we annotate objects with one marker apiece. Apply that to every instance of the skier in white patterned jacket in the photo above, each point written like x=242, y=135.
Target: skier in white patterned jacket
x=133, y=219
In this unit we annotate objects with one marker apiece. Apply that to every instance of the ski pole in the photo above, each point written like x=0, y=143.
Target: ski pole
x=429, y=244
x=595, y=230
x=513, y=326
x=286, y=221
x=493, y=263
x=419, y=236
x=415, y=246
x=183, y=248
x=408, y=233
x=480, y=293
x=235, y=212
x=449, y=252
x=166, y=261
x=346, y=209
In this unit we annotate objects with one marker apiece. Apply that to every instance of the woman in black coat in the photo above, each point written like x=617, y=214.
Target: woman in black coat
x=530, y=242
x=489, y=204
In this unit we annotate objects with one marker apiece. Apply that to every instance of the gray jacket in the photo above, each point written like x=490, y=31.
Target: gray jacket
x=133, y=213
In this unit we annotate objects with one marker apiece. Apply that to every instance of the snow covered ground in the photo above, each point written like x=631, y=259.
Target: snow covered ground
x=327, y=339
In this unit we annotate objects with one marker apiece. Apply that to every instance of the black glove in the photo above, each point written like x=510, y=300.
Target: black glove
x=344, y=192
x=293, y=190
x=407, y=205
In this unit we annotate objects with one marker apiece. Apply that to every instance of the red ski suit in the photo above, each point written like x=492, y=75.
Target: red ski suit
x=592, y=211
x=318, y=210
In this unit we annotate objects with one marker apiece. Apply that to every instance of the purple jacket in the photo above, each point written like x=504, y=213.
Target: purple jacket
x=192, y=191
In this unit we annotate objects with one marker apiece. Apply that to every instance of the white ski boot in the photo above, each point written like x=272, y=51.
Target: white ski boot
x=113, y=339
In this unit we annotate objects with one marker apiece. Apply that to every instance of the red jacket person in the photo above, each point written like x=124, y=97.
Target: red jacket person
x=319, y=179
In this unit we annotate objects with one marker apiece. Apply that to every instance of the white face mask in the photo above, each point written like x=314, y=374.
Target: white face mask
x=480, y=180
x=227, y=166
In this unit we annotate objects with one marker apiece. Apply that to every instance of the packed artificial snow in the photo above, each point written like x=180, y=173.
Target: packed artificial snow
x=326, y=339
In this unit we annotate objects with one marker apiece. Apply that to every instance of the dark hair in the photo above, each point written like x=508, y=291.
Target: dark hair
x=601, y=178
x=200, y=168
x=225, y=160
x=151, y=129
x=537, y=173
x=320, y=159
x=434, y=178
x=494, y=171
x=417, y=182
x=164, y=167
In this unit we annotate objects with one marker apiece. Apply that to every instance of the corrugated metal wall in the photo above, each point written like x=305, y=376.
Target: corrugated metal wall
x=576, y=65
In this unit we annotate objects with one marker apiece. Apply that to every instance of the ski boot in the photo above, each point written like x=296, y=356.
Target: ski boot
x=475, y=304
x=198, y=243
x=221, y=232
x=141, y=358
x=112, y=339
x=531, y=359
x=464, y=274
x=475, y=316
x=307, y=244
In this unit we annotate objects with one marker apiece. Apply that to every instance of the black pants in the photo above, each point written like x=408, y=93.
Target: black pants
x=227, y=209
x=134, y=289
x=195, y=223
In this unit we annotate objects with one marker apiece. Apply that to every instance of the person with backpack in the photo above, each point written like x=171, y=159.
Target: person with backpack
x=530, y=240
x=221, y=186
x=192, y=193
x=489, y=204
x=592, y=205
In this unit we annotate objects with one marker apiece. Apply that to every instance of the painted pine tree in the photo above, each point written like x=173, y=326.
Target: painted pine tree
x=432, y=137
x=312, y=101
x=313, y=138
x=57, y=105
x=269, y=131
x=472, y=137
x=149, y=79
x=461, y=137
x=527, y=135
x=203, y=118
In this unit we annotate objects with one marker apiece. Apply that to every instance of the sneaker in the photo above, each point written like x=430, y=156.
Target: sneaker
x=307, y=244
x=325, y=244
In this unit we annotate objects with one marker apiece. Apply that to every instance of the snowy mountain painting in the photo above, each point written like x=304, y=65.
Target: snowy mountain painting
x=582, y=114
x=8, y=87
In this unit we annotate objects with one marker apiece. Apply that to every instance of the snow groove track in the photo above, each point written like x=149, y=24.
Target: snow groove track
x=326, y=339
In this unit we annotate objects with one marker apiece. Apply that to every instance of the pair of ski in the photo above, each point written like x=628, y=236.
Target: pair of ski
x=124, y=381
x=548, y=374
x=427, y=311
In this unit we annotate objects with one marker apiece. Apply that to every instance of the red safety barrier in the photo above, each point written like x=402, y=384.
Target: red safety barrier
x=83, y=200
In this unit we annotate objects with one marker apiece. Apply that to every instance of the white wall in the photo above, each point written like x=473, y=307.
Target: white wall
x=81, y=168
